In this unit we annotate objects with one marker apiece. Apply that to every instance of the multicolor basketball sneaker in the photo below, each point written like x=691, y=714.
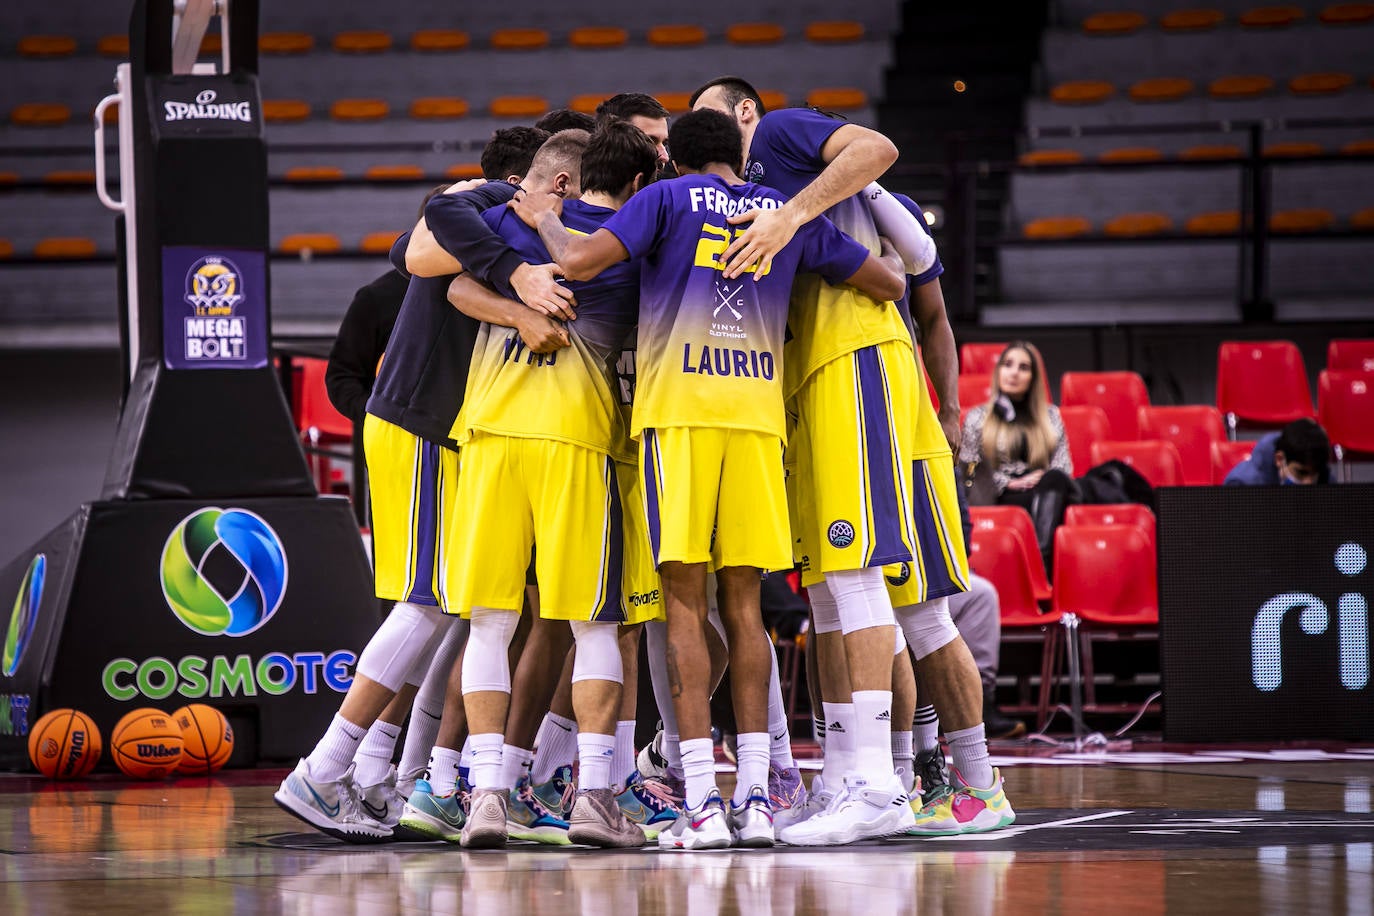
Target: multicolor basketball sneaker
x=650, y=803
x=705, y=827
x=435, y=817
x=527, y=818
x=962, y=808
x=557, y=794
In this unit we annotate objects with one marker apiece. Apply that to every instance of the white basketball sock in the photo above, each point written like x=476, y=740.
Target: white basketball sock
x=555, y=745
x=594, y=753
x=331, y=757
x=873, y=735
x=968, y=750
x=623, y=762
x=698, y=770
x=444, y=769
x=486, y=761
x=375, y=752
x=751, y=755
x=515, y=763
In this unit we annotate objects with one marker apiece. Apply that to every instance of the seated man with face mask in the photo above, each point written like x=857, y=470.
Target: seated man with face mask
x=1300, y=453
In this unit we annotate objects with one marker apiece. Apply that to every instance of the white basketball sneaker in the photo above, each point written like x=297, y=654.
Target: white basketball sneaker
x=862, y=812
x=330, y=807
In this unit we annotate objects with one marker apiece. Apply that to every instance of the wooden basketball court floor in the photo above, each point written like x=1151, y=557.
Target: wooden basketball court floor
x=1214, y=831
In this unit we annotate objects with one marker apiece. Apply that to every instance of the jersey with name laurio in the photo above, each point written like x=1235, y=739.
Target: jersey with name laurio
x=570, y=395
x=710, y=349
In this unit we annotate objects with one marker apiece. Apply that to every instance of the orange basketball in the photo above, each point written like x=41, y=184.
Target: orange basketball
x=64, y=744
x=146, y=744
x=207, y=739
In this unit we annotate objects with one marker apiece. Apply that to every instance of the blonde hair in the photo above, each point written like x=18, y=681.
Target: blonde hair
x=1038, y=434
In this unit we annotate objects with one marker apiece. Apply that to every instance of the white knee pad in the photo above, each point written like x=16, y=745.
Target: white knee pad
x=433, y=669
x=598, y=652
x=928, y=626
x=861, y=599
x=825, y=616
x=420, y=667
x=399, y=641
x=485, y=665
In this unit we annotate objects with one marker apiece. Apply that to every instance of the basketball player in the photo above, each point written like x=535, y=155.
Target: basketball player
x=709, y=415
x=854, y=380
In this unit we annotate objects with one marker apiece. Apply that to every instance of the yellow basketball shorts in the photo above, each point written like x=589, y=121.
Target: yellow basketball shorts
x=640, y=589
x=715, y=496
x=940, y=564
x=412, y=483
x=517, y=493
x=853, y=497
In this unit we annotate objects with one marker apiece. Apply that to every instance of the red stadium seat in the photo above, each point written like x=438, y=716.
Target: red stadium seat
x=1262, y=382
x=1192, y=430
x=320, y=423
x=1120, y=394
x=974, y=390
x=1345, y=409
x=1226, y=455
x=1016, y=519
x=1113, y=514
x=1155, y=459
x=1350, y=355
x=979, y=358
x=998, y=555
x=1083, y=425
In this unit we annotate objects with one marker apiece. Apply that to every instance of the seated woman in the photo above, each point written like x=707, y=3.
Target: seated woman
x=1016, y=442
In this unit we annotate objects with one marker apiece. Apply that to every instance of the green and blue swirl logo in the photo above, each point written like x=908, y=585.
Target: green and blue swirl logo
x=223, y=571
x=24, y=615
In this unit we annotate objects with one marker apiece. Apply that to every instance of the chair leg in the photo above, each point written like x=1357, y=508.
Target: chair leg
x=1085, y=654
x=1049, y=667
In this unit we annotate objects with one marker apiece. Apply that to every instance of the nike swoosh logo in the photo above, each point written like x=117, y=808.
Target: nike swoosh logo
x=780, y=737
x=331, y=810
x=706, y=816
x=378, y=813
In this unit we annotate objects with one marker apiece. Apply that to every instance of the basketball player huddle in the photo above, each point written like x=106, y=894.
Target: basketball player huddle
x=766, y=291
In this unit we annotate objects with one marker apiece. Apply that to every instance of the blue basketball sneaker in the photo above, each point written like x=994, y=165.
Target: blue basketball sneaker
x=650, y=803
x=528, y=819
x=435, y=817
x=558, y=793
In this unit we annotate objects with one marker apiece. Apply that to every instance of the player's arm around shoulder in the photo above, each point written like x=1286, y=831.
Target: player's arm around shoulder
x=425, y=257
x=881, y=276
x=477, y=300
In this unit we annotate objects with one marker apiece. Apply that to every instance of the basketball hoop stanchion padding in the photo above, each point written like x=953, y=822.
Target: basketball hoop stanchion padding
x=209, y=570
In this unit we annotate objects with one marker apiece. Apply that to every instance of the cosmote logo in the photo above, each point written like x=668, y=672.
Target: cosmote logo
x=24, y=615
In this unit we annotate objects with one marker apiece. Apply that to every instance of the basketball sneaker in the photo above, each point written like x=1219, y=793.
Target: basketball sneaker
x=785, y=787
x=556, y=795
x=933, y=774
x=963, y=808
x=651, y=761
x=486, y=822
x=528, y=819
x=863, y=811
x=596, y=820
x=384, y=801
x=330, y=807
x=650, y=803
x=814, y=802
x=405, y=782
x=705, y=827
x=752, y=822
x=434, y=817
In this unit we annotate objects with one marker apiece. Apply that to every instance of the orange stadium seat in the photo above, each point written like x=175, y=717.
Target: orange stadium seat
x=518, y=106
x=1122, y=23
x=1017, y=519
x=1051, y=157
x=1113, y=514
x=312, y=242
x=772, y=99
x=1271, y=17
x=675, y=102
x=40, y=114
x=1131, y=155
x=8, y=178
x=1162, y=89
x=394, y=172
x=1158, y=461
x=65, y=248
x=6, y=248
x=378, y=242
x=1358, y=148
x=464, y=170
x=1345, y=409
x=286, y=43
x=835, y=99
x=755, y=33
x=835, y=31
x=212, y=43
x=285, y=111
x=1219, y=222
x=1305, y=219
x=519, y=39
x=439, y=108
x=1225, y=456
x=1211, y=151
x=1191, y=20
x=979, y=358
x=1320, y=83
x=1347, y=14
x=1350, y=355
x=47, y=46
x=1057, y=227
x=587, y=104
x=676, y=36
x=1262, y=382
x=67, y=178
x=367, y=41
x=359, y=110
x=598, y=36
x=1293, y=149
x=1192, y=429
x=439, y=40
x=1120, y=394
x=1240, y=87
x=113, y=46
x=305, y=174
x=1084, y=424
x=1135, y=225
x=1082, y=92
